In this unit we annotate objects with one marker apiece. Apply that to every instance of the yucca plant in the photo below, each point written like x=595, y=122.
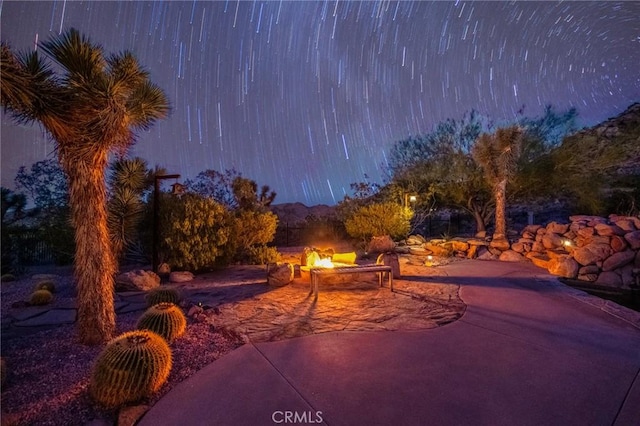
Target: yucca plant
x=132, y=366
x=91, y=104
x=162, y=295
x=166, y=319
x=41, y=297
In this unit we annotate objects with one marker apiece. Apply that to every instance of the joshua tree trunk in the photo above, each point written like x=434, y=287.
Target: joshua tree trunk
x=478, y=215
x=94, y=266
x=500, y=192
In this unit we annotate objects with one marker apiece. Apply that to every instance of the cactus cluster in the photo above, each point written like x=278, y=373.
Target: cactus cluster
x=165, y=319
x=46, y=285
x=132, y=366
x=162, y=295
x=41, y=297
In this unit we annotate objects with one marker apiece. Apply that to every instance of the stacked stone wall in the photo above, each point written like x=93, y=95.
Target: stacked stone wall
x=595, y=249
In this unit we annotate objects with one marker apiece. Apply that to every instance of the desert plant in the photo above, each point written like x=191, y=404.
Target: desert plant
x=195, y=231
x=7, y=278
x=46, y=285
x=162, y=295
x=41, y=297
x=134, y=365
x=91, y=104
x=165, y=319
x=378, y=219
x=262, y=255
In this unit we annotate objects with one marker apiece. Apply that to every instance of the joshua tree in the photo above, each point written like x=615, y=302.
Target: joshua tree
x=497, y=154
x=90, y=109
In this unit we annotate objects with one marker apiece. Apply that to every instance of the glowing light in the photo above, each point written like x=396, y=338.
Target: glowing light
x=323, y=263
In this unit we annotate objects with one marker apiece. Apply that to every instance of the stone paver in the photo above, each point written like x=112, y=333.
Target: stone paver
x=263, y=313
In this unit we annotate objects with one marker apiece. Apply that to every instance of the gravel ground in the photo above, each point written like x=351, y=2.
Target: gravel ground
x=48, y=371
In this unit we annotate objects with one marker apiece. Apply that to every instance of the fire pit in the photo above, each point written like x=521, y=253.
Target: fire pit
x=317, y=272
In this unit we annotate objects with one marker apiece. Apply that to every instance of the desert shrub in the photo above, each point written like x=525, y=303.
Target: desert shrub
x=7, y=278
x=165, y=319
x=162, y=295
x=46, y=285
x=195, y=232
x=134, y=365
x=379, y=219
x=251, y=228
x=41, y=297
x=261, y=255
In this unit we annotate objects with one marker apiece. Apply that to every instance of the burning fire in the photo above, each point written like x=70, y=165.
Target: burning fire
x=323, y=263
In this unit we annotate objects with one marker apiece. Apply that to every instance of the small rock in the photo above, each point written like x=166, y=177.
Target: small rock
x=138, y=280
x=280, y=275
x=633, y=238
x=129, y=416
x=563, y=267
x=511, y=256
x=180, y=276
x=609, y=278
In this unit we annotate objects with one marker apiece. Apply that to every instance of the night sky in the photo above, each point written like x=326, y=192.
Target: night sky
x=308, y=97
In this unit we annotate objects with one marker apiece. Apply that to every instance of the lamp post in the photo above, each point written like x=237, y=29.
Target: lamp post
x=409, y=198
x=156, y=215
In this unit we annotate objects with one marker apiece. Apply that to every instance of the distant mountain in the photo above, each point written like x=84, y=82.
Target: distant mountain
x=295, y=213
x=610, y=148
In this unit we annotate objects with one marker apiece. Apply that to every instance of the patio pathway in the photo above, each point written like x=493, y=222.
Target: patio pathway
x=527, y=351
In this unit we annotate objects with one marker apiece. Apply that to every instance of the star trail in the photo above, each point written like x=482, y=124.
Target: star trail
x=307, y=97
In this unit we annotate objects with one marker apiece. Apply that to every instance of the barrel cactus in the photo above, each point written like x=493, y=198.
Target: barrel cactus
x=46, y=285
x=166, y=319
x=132, y=366
x=162, y=295
x=41, y=297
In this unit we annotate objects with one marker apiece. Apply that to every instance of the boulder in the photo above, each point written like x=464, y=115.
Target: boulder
x=472, y=253
x=390, y=259
x=415, y=240
x=538, y=259
x=138, y=280
x=457, y=245
x=279, y=275
x=532, y=229
x=591, y=253
x=633, y=238
x=609, y=278
x=626, y=274
x=563, y=266
x=501, y=244
x=586, y=218
x=528, y=235
x=589, y=269
x=181, y=276
x=618, y=260
x=438, y=250
x=586, y=232
x=485, y=254
x=618, y=243
x=538, y=247
x=511, y=256
x=557, y=228
x=552, y=240
x=381, y=244
x=588, y=277
x=626, y=224
x=518, y=247
x=608, y=230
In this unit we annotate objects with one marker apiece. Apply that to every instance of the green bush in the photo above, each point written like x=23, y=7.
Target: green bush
x=195, y=232
x=134, y=365
x=251, y=229
x=165, y=319
x=261, y=255
x=378, y=219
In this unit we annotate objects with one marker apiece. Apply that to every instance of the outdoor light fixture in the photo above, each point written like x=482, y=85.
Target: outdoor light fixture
x=409, y=198
x=176, y=189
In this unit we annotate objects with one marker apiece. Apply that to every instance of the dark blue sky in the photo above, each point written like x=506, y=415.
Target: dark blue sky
x=307, y=97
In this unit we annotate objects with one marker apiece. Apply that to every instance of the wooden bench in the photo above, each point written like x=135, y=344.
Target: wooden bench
x=316, y=273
